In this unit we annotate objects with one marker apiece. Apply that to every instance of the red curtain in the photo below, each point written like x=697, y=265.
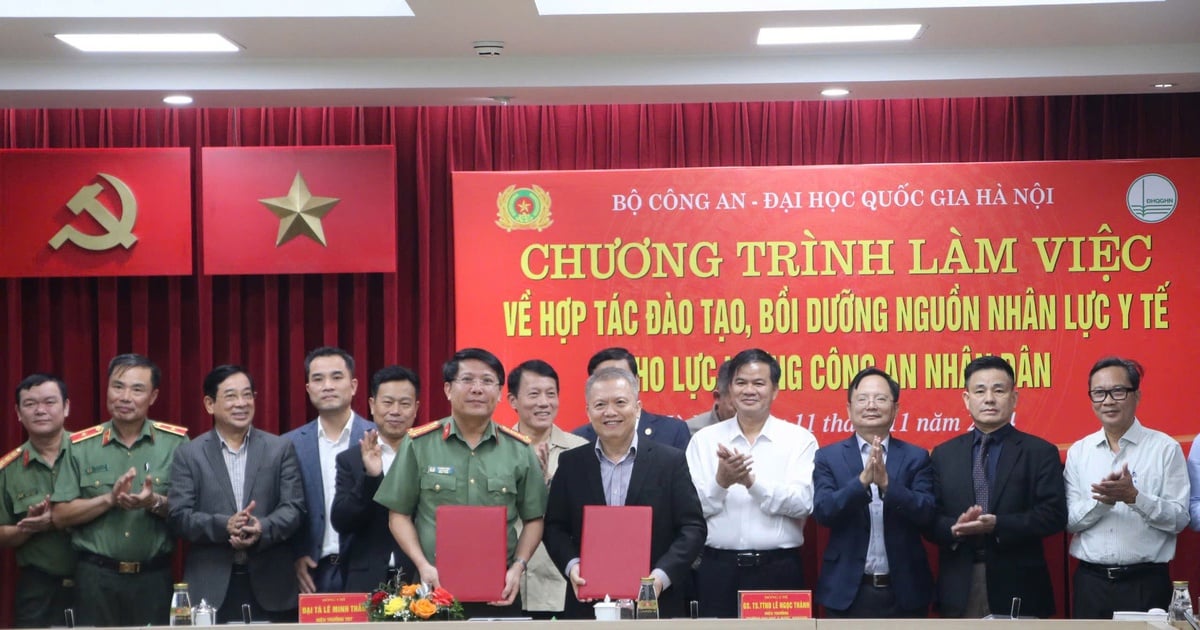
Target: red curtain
x=187, y=325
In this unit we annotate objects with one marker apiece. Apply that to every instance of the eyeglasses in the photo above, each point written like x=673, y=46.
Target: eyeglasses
x=233, y=398
x=485, y=382
x=879, y=400
x=1118, y=394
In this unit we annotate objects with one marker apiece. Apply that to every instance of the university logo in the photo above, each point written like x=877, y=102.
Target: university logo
x=523, y=209
x=116, y=231
x=1151, y=198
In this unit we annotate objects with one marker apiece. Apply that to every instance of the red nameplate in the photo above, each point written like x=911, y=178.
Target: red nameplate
x=775, y=604
x=333, y=607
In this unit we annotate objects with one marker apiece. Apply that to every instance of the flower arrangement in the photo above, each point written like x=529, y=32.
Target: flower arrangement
x=411, y=602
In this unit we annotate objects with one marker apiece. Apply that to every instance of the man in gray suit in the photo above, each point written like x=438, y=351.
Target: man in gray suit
x=237, y=497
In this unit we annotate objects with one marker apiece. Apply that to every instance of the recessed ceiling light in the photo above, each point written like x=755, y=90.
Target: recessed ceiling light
x=177, y=99
x=212, y=9
x=773, y=36
x=628, y=7
x=835, y=92
x=1163, y=86
x=148, y=42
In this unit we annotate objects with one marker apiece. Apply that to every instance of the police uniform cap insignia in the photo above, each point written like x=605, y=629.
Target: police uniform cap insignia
x=514, y=434
x=170, y=428
x=10, y=457
x=424, y=429
x=89, y=432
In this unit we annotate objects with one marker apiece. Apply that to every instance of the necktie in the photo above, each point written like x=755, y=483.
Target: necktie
x=979, y=473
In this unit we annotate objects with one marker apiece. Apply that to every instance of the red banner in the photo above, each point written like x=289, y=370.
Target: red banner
x=298, y=210
x=914, y=268
x=95, y=212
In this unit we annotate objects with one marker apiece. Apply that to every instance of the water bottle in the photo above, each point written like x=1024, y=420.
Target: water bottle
x=647, y=601
x=1181, y=602
x=181, y=606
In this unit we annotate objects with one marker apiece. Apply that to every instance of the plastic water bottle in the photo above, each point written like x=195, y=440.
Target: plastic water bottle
x=647, y=601
x=181, y=606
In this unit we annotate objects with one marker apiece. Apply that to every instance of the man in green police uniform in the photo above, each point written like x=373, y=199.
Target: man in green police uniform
x=481, y=460
x=113, y=492
x=47, y=562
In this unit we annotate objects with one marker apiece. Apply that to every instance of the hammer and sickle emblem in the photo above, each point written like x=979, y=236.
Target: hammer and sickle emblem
x=118, y=231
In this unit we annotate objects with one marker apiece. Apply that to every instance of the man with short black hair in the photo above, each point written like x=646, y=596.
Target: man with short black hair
x=330, y=382
x=652, y=426
x=754, y=475
x=237, y=498
x=370, y=554
x=999, y=494
x=112, y=494
x=46, y=584
x=1127, y=500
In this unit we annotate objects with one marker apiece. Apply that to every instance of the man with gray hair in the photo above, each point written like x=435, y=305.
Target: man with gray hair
x=631, y=471
x=723, y=408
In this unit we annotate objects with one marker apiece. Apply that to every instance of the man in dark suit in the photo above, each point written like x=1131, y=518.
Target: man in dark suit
x=236, y=497
x=661, y=429
x=655, y=475
x=369, y=553
x=331, y=386
x=875, y=494
x=999, y=493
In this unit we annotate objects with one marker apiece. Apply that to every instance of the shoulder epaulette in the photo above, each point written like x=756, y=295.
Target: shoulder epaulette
x=513, y=433
x=10, y=458
x=171, y=428
x=424, y=429
x=89, y=432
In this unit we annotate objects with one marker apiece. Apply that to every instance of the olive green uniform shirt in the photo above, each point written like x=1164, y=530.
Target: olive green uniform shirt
x=436, y=467
x=97, y=460
x=26, y=481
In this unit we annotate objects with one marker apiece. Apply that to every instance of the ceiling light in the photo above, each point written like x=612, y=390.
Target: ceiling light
x=177, y=99
x=1163, y=86
x=211, y=9
x=148, y=42
x=771, y=36
x=628, y=7
x=835, y=92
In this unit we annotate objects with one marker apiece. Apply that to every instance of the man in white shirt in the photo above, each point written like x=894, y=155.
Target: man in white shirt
x=1127, y=500
x=754, y=476
x=331, y=386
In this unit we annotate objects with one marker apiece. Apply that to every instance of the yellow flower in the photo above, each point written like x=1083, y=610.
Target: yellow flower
x=423, y=608
x=394, y=605
x=409, y=590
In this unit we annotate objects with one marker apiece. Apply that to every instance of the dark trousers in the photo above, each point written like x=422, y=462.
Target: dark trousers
x=239, y=595
x=329, y=576
x=40, y=598
x=723, y=573
x=874, y=602
x=475, y=610
x=1099, y=591
x=109, y=598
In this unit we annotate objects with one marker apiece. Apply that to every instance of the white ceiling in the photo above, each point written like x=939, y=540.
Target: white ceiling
x=429, y=60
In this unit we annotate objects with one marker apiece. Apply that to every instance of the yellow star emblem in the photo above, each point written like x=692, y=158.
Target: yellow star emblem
x=300, y=212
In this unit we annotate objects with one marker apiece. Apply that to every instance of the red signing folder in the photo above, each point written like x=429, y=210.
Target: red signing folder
x=472, y=551
x=615, y=552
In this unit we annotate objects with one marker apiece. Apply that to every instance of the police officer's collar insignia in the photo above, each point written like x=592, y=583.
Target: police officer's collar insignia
x=25, y=459
x=424, y=429
x=514, y=433
x=10, y=457
x=87, y=433
x=446, y=431
x=170, y=428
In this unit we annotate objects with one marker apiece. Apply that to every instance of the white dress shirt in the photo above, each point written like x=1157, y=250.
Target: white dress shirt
x=877, y=562
x=771, y=513
x=329, y=450
x=1123, y=533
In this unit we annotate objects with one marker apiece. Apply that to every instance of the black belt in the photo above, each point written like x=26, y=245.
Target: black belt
x=750, y=557
x=1122, y=572
x=878, y=581
x=332, y=558
x=127, y=568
